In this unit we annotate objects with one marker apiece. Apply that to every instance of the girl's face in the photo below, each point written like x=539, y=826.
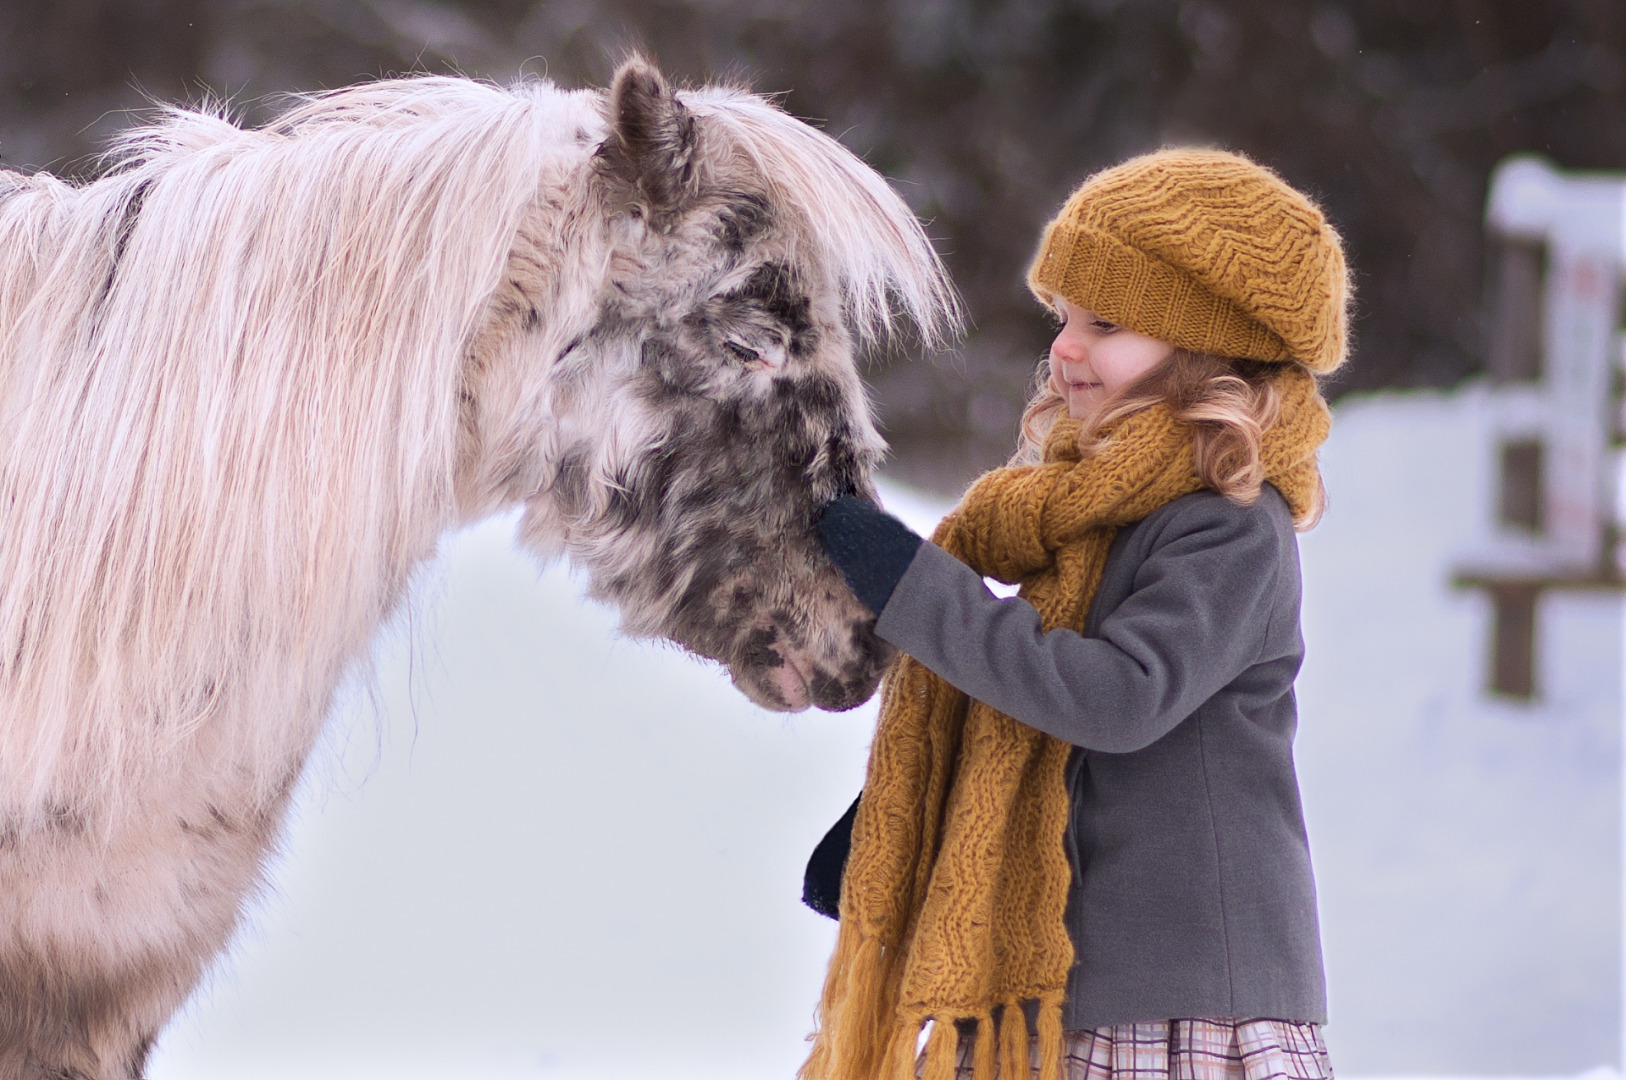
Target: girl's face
x=1092, y=359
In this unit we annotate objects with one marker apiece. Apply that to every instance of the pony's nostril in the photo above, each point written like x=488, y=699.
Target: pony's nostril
x=835, y=693
x=854, y=681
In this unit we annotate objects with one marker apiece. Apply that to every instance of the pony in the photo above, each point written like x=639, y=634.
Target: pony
x=249, y=376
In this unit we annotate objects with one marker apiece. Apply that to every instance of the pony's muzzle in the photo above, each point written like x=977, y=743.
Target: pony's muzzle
x=790, y=680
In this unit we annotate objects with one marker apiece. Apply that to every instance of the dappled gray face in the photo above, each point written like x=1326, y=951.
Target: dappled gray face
x=762, y=435
x=753, y=420
x=710, y=413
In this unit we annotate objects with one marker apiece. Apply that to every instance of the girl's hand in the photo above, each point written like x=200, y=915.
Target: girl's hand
x=870, y=547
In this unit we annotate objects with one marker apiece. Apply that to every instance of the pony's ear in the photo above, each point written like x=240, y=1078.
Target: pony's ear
x=652, y=138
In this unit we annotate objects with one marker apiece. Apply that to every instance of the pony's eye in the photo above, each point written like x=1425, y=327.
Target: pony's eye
x=741, y=353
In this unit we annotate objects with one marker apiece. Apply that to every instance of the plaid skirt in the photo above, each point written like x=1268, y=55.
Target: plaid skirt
x=1185, y=1050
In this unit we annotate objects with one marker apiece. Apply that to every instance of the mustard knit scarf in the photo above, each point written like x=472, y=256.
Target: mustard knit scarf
x=953, y=899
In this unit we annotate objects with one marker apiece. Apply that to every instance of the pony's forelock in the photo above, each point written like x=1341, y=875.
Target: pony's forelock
x=864, y=232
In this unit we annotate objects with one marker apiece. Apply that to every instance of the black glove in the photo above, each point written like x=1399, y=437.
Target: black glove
x=870, y=547
x=821, y=885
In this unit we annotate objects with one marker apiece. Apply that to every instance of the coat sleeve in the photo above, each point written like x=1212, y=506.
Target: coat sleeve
x=1196, y=617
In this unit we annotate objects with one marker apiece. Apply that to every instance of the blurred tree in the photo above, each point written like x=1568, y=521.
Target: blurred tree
x=65, y=64
x=1392, y=112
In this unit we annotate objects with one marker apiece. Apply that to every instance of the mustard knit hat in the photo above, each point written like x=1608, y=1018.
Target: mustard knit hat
x=1205, y=250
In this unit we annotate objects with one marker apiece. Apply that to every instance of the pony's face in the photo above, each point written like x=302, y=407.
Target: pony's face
x=709, y=414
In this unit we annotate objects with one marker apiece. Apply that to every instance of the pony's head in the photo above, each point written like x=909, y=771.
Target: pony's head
x=713, y=405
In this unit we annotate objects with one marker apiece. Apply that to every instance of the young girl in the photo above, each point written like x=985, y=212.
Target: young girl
x=1081, y=817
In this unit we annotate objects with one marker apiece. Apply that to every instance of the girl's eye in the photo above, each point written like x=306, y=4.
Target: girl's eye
x=741, y=353
x=1104, y=326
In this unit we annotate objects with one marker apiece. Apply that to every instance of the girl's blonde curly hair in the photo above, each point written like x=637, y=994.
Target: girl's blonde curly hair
x=1229, y=402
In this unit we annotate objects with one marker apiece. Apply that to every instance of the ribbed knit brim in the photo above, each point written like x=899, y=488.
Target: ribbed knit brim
x=1205, y=250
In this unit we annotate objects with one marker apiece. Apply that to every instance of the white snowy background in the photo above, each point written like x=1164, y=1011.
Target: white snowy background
x=535, y=850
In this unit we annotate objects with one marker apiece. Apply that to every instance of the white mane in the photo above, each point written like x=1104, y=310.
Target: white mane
x=229, y=381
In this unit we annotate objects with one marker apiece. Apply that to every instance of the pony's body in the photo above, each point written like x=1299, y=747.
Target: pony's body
x=249, y=379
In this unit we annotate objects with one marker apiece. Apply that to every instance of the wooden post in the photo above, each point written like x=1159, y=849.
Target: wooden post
x=1513, y=639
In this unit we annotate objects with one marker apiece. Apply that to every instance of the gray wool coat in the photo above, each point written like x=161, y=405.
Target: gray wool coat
x=1192, y=893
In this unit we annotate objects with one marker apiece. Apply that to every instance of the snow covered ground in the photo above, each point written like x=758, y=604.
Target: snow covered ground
x=537, y=851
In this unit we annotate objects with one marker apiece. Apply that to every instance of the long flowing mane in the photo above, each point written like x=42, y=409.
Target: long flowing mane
x=230, y=386
x=229, y=396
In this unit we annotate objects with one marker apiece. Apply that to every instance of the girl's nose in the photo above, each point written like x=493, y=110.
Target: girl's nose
x=1069, y=348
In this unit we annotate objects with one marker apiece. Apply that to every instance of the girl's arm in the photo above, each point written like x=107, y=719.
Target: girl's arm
x=1196, y=617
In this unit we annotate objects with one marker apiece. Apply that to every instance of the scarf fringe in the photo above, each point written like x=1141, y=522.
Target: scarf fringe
x=984, y=1064
x=858, y=977
x=996, y=1054
x=1001, y=1049
x=901, y=1052
x=942, y=1051
x=1013, y=1041
x=1050, y=1037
